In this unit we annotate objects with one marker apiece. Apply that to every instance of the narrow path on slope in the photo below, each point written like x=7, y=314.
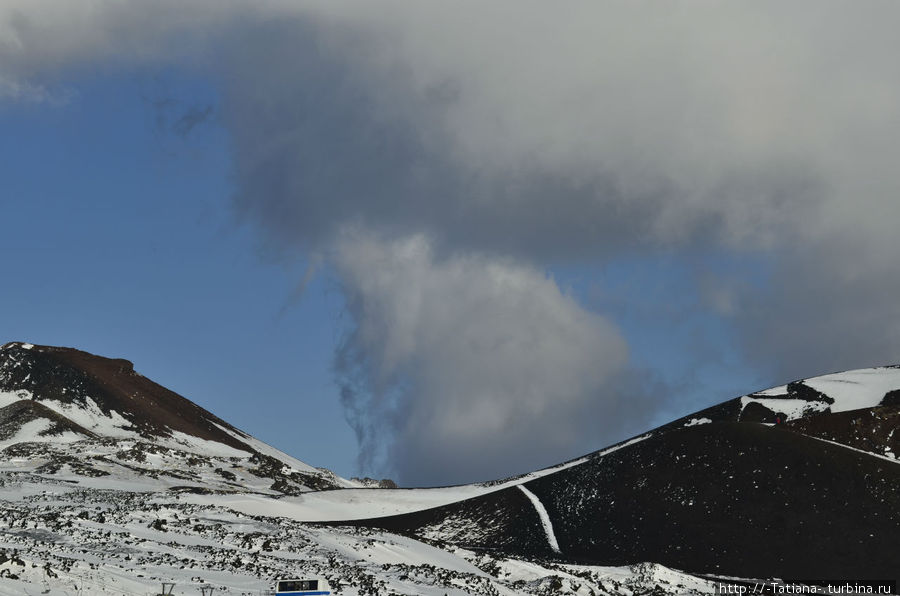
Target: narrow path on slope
x=863, y=451
x=545, y=518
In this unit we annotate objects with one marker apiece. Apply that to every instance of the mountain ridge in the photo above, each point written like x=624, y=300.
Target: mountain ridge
x=775, y=470
x=68, y=395
x=797, y=480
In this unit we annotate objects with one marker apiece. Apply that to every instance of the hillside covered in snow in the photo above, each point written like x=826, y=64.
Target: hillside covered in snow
x=112, y=484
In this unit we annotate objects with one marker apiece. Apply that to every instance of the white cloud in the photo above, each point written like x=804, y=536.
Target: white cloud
x=466, y=367
x=13, y=90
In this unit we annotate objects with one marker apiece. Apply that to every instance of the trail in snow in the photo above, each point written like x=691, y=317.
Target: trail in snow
x=545, y=517
x=864, y=452
x=365, y=503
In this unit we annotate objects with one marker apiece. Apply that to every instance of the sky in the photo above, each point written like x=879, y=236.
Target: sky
x=444, y=243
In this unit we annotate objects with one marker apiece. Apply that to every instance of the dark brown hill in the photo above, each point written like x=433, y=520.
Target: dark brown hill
x=729, y=498
x=71, y=376
x=798, y=481
x=105, y=402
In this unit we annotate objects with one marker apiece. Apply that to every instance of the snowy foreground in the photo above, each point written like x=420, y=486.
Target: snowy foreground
x=100, y=493
x=72, y=540
x=112, y=484
x=94, y=516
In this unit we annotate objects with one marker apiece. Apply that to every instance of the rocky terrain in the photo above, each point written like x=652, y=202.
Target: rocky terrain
x=112, y=484
x=790, y=482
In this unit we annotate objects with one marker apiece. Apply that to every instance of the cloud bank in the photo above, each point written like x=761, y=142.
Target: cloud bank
x=472, y=146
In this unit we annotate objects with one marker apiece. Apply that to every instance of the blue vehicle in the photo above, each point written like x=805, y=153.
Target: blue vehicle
x=302, y=587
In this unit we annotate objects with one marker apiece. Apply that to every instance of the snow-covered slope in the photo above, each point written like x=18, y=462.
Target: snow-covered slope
x=61, y=540
x=842, y=392
x=111, y=484
x=97, y=417
x=801, y=480
x=839, y=392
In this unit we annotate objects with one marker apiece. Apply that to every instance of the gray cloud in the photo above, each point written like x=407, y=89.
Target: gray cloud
x=549, y=133
x=830, y=307
x=540, y=134
x=733, y=124
x=463, y=368
x=580, y=134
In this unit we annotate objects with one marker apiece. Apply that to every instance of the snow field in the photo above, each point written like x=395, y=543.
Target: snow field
x=118, y=542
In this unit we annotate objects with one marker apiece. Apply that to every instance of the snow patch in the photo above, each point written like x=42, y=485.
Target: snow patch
x=792, y=408
x=364, y=503
x=869, y=453
x=615, y=448
x=697, y=421
x=34, y=431
x=186, y=442
x=773, y=392
x=11, y=397
x=864, y=388
x=29, y=432
x=91, y=417
x=266, y=449
x=545, y=517
x=851, y=390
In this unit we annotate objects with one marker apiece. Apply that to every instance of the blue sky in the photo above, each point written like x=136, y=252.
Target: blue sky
x=402, y=242
x=124, y=245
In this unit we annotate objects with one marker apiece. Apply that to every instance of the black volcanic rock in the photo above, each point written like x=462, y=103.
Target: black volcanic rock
x=771, y=484
x=891, y=398
x=869, y=429
x=800, y=390
x=735, y=499
x=746, y=409
x=503, y=521
x=756, y=412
